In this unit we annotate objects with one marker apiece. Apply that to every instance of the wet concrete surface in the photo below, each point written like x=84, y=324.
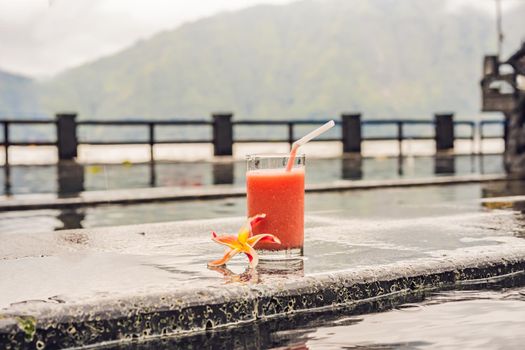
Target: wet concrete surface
x=79, y=287
x=75, y=264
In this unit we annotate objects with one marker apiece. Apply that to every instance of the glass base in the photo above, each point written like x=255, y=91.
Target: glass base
x=277, y=255
x=289, y=267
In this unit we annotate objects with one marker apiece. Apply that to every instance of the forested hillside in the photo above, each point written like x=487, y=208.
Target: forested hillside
x=385, y=58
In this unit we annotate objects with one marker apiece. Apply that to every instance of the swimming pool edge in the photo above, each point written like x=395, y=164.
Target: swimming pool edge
x=181, y=313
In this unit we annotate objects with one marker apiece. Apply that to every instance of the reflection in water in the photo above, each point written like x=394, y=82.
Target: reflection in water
x=249, y=275
x=503, y=189
x=223, y=173
x=482, y=166
x=444, y=164
x=352, y=168
x=41, y=178
x=7, y=180
x=152, y=174
x=266, y=269
x=473, y=164
x=70, y=175
x=70, y=219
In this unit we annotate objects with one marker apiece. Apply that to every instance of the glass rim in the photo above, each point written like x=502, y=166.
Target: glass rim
x=272, y=155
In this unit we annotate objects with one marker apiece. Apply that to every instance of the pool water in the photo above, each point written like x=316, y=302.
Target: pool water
x=485, y=316
x=447, y=320
x=359, y=204
x=71, y=178
x=356, y=203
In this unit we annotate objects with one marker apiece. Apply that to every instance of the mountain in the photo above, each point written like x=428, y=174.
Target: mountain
x=309, y=59
x=18, y=96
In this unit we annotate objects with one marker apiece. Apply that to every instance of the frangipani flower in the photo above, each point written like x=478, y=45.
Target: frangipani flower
x=243, y=243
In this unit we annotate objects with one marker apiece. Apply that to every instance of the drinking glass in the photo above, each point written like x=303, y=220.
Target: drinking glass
x=279, y=194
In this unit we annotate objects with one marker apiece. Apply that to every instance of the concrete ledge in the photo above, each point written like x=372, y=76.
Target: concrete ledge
x=147, y=195
x=38, y=325
x=262, y=334
x=149, y=282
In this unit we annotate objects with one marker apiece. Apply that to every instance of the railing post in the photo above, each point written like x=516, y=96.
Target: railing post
x=152, y=172
x=151, y=127
x=480, y=137
x=6, y=142
x=351, y=132
x=400, y=138
x=222, y=134
x=7, y=168
x=444, y=134
x=290, y=134
x=473, y=138
x=67, y=141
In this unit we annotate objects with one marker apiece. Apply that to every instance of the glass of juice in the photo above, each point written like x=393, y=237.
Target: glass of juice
x=278, y=193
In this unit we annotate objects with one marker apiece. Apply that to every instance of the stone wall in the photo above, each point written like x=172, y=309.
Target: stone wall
x=515, y=140
x=503, y=90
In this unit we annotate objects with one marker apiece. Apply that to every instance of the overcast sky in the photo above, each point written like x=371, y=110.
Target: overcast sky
x=42, y=37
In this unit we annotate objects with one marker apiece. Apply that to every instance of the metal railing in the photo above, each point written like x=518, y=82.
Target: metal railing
x=400, y=123
x=482, y=125
x=6, y=142
x=290, y=125
x=151, y=125
x=150, y=128
x=400, y=130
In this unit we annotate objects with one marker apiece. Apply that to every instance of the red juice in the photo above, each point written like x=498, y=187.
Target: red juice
x=280, y=195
